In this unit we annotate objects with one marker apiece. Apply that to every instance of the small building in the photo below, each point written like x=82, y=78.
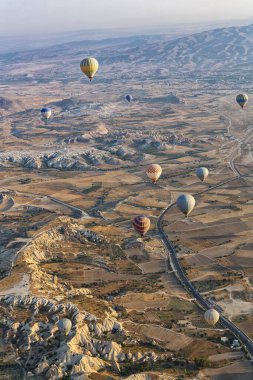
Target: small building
x=235, y=344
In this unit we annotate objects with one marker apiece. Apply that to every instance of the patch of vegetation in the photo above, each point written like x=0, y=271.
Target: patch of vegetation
x=241, y=318
x=24, y=181
x=172, y=156
x=178, y=305
x=114, y=251
x=202, y=362
x=91, y=224
x=91, y=305
x=204, y=286
x=169, y=315
x=146, y=284
x=84, y=258
x=126, y=267
x=94, y=187
x=179, y=364
x=54, y=260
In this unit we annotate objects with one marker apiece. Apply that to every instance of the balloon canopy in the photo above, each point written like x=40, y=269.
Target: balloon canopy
x=89, y=67
x=186, y=203
x=242, y=99
x=46, y=112
x=141, y=224
x=154, y=172
x=64, y=326
x=129, y=98
x=212, y=316
x=202, y=173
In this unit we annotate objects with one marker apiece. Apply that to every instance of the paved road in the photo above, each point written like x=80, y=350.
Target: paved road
x=77, y=211
x=179, y=272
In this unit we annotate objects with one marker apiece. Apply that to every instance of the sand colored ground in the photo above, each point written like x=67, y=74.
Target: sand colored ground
x=241, y=370
x=142, y=301
x=227, y=356
x=168, y=338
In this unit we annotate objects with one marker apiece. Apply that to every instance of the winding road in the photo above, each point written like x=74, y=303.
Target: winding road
x=179, y=271
x=80, y=214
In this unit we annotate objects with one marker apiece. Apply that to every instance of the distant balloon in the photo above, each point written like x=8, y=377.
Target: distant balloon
x=89, y=67
x=202, y=173
x=64, y=326
x=186, y=203
x=46, y=113
x=154, y=172
x=212, y=316
x=242, y=99
x=141, y=224
x=129, y=98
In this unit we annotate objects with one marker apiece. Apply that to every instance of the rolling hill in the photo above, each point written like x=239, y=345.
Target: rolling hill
x=218, y=50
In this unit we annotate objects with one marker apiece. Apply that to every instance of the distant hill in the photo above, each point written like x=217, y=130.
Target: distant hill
x=216, y=49
x=84, y=47
x=226, y=50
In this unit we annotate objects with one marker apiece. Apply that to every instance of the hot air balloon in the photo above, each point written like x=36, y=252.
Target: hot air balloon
x=141, y=224
x=129, y=98
x=64, y=326
x=185, y=203
x=212, y=316
x=242, y=99
x=154, y=172
x=89, y=67
x=202, y=173
x=46, y=112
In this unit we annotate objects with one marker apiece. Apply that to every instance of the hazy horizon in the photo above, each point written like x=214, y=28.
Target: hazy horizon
x=29, y=17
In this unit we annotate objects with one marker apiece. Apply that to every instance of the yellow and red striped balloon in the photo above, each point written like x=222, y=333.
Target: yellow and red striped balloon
x=141, y=224
x=154, y=172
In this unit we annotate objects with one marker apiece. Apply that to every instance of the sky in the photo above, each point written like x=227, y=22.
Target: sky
x=37, y=17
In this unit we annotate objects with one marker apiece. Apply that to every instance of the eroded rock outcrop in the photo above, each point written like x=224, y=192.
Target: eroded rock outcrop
x=62, y=159
x=42, y=249
x=46, y=351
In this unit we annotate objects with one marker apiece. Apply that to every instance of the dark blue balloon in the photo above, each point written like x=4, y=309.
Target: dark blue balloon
x=45, y=109
x=46, y=112
x=129, y=98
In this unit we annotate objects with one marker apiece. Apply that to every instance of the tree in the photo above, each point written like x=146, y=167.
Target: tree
x=202, y=362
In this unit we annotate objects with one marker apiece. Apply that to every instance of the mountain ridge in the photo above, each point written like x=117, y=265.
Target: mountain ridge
x=209, y=50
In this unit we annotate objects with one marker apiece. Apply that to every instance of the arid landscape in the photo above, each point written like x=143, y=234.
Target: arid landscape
x=69, y=189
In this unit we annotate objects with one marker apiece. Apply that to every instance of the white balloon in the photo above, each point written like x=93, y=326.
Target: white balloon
x=64, y=325
x=212, y=316
x=202, y=173
x=186, y=203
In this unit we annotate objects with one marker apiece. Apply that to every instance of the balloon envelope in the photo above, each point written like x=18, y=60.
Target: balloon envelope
x=186, y=203
x=129, y=98
x=212, y=316
x=202, y=173
x=89, y=67
x=154, y=172
x=64, y=325
x=141, y=224
x=242, y=99
x=46, y=112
